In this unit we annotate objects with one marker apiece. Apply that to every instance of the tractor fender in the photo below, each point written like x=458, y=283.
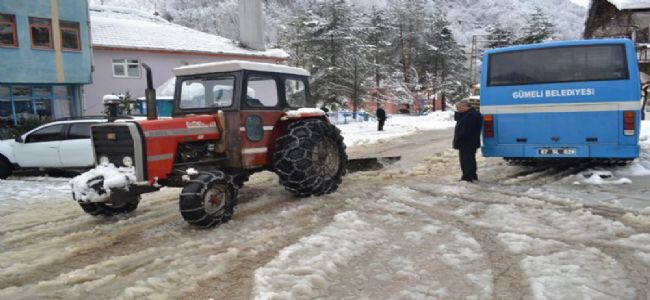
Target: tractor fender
x=292, y=116
x=304, y=113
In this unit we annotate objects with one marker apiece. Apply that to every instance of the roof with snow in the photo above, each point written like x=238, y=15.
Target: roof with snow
x=118, y=27
x=236, y=65
x=630, y=4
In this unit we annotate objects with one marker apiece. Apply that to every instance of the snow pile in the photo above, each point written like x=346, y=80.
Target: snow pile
x=396, y=126
x=640, y=243
x=108, y=175
x=557, y=270
x=602, y=177
x=577, y=224
x=639, y=167
x=577, y=274
x=305, y=269
x=464, y=254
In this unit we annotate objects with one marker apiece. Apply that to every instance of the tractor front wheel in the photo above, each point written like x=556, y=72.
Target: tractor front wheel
x=310, y=158
x=111, y=209
x=209, y=199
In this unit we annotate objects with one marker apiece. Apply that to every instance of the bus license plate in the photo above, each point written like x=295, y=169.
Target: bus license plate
x=556, y=151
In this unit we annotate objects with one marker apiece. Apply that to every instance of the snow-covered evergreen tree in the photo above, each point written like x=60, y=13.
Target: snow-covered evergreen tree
x=331, y=46
x=377, y=30
x=500, y=36
x=441, y=60
x=538, y=29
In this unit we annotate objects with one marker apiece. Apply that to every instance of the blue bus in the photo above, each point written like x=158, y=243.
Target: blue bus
x=570, y=99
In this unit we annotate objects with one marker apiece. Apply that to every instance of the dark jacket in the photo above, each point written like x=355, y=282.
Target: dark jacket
x=381, y=114
x=467, y=134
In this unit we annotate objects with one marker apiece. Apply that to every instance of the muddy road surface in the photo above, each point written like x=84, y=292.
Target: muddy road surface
x=409, y=231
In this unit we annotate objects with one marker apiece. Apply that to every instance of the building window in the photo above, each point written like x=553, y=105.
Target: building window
x=126, y=68
x=8, y=30
x=42, y=98
x=33, y=104
x=62, y=101
x=6, y=110
x=70, y=36
x=23, y=105
x=41, y=30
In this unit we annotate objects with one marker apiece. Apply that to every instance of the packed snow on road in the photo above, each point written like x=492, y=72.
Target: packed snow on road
x=409, y=231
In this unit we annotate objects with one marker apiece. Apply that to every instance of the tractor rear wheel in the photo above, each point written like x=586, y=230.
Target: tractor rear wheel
x=209, y=199
x=111, y=209
x=310, y=158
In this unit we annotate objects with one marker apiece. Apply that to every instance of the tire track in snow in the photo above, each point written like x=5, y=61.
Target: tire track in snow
x=508, y=277
x=122, y=250
x=635, y=270
x=76, y=222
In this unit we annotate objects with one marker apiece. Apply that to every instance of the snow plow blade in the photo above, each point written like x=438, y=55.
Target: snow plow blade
x=370, y=163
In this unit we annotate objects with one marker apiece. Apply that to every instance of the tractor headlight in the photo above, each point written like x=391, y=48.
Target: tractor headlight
x=103, y=160
x=127, y=161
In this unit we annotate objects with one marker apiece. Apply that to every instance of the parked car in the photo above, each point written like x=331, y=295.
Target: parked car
x=58, y=145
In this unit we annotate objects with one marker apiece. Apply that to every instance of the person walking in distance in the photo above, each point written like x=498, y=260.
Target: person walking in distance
x=467, y=138
x=381, y=118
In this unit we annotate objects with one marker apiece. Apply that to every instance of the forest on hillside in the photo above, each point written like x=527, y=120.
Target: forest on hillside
x=362, y=50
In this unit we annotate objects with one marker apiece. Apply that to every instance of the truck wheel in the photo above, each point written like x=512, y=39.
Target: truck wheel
x=5, y=168
x=310, y=159
x=110, y=209
x=209, y=199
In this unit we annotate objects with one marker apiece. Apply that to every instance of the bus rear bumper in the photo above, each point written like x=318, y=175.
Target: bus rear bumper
x=581, y=151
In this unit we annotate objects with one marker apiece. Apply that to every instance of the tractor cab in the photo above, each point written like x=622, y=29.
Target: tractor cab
x=251, y=97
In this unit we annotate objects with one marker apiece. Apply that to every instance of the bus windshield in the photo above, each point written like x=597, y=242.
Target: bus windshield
x=560, y=64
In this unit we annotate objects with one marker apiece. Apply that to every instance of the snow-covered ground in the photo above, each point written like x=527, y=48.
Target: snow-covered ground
x=410, y=231
x=396, y=125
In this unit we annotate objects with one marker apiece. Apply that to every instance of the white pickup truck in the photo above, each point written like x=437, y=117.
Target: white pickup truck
x=53, y=146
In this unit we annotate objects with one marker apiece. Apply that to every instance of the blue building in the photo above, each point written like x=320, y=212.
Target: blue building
x=45, y=59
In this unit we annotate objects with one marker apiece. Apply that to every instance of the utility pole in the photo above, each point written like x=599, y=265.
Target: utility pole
x=480, y=43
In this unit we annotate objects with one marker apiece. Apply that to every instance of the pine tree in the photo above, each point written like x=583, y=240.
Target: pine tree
x=408, y=18
x=442, y=60
x=376, y=29
x=500, y=36
x=538, y=29
x=332, y=49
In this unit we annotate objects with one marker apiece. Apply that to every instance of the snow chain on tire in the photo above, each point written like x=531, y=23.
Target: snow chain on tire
x=109, y=210
x=208, y=199
x=310, y=158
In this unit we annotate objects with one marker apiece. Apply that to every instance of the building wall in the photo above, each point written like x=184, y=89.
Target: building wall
x=26, y=65
x=38, y=85
x=161, y=64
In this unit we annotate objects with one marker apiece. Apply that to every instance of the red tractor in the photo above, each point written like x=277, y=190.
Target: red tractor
x=230, y=119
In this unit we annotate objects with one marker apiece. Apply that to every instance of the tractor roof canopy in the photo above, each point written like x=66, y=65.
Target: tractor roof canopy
x=237, y=65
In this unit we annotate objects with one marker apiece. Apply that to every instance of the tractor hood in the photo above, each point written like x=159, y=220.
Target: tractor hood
x=195, y=128
x=164, y=135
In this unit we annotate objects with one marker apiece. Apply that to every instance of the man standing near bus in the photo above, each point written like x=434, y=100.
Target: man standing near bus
x=467, y=138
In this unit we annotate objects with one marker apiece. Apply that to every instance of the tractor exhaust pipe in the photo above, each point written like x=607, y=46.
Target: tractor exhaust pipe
x=150, y=95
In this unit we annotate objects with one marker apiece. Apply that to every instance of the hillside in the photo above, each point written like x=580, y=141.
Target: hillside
x=467, y=17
